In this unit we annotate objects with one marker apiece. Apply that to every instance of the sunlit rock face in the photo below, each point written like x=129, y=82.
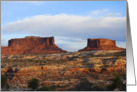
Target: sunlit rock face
x=31, y=45
x=101, y=44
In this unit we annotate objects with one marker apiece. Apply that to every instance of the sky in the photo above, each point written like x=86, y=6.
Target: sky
x=70, y=22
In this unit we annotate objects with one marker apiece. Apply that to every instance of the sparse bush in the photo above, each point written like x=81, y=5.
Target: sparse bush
x=4, y=83
x=117, y=83
x=98, y=88
x=47, y=88
x=33, y=84
x=83, y=86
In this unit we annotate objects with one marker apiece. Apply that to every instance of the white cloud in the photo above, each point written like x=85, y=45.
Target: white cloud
x=105, y=13
x=70, y=31
x=70, y=26
x=4, y=42
x=70, y=44
x=114, y=14
x=121, y=44
x=99, y=11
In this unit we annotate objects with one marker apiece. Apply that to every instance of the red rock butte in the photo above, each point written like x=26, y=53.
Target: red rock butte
x=31, y=45
x=101, y=44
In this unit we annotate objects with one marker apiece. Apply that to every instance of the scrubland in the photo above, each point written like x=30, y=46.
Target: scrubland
x=84, y=71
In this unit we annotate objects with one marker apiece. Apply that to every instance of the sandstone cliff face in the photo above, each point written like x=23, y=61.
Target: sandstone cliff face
x=101, y=44
x=31, y=45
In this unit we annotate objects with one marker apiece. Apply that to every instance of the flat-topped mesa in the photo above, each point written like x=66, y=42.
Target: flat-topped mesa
x=101, y=44
x=31, y=41
x=31, y=45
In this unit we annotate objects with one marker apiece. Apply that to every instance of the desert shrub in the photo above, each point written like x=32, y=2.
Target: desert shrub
x=116, y=83
x=33, y=84
x=98, y=88
x=47, y=88
x=4, y=83
x=83, y=86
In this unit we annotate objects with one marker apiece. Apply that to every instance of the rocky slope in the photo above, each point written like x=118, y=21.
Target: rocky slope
x=66, y=70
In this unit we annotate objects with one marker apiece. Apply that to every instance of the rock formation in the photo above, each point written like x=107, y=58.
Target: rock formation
x=31, y=45
x=100, y=44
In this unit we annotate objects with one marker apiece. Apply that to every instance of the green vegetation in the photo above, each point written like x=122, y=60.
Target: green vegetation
x=4, y=83
x=117, y=83
x=85, y=85
x=33, y=84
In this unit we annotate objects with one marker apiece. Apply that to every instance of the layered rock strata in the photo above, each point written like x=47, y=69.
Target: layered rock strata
x=101, y=44
x=31, y=45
